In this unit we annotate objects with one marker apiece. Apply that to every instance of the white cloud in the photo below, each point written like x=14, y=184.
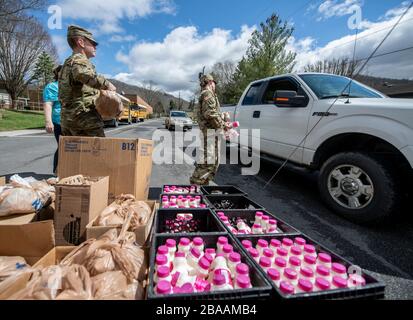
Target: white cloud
x=397, y=65
x=173, y=64
x=334, y=8
x=119, y=38
x=63, y=49
x=108, y=14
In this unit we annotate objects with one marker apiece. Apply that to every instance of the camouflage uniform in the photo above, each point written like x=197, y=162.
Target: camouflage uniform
x=209, y=120
x=79, y=87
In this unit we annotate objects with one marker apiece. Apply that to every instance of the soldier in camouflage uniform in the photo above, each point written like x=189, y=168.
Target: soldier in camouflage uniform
x=79, y=87
x=210, y=122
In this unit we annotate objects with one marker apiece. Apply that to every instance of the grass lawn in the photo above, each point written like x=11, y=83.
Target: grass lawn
x=19, y=120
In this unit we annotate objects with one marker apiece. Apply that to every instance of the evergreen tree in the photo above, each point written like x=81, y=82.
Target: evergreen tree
x=266, y=56
x=43, y=70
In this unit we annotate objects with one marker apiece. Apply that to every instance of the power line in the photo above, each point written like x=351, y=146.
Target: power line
x=386, y=53
x=368, y=35
x=299, y=9
x=336, y=99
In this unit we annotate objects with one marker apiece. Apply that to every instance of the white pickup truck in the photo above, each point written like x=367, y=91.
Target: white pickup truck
x=362, y=146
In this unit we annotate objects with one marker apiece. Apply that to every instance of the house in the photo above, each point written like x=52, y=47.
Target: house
x=5, y=100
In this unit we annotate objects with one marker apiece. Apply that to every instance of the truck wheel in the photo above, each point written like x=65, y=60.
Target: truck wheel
x=360, y=187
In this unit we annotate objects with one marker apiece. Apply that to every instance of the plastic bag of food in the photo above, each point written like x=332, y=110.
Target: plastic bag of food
x=22, y=196
x=109, y=105
x=109, y=284
x=11, y=265
x=110, y=253
x=115, y=214
x=57, y=283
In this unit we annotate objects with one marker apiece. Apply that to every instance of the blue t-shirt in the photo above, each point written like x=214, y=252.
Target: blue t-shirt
x=51, y=94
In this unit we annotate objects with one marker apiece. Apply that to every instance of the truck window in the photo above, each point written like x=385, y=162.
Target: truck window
x=250, y=97
x=278, y=84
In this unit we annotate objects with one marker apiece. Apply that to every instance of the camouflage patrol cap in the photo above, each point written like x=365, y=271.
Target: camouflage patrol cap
x=76, y=31
x=206, y=78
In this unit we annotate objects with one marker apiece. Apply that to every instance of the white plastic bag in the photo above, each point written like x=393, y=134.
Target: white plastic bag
x=22, y=196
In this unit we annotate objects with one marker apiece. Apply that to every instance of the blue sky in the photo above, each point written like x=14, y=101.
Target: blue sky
x=168, y=41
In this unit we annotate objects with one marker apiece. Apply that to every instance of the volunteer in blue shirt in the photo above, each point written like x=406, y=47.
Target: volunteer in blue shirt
x=52, y=109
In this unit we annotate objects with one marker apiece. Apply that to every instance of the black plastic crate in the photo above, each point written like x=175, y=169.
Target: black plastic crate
x=373, y=289
x=249, y=215
x=197, y=192
x=234, y=202
x=222, y=190
x=203, y=200
x=261, y=286
x=208, y=222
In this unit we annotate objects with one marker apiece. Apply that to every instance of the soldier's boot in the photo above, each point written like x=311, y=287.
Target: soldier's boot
x=202, y=174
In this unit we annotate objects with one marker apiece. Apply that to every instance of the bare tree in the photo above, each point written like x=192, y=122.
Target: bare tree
x=223, y=72
x=150, y=93
x=21, y=42
x=14, y=10
x=342, y=67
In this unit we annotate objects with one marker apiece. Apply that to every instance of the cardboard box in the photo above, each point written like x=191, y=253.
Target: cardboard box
x=76, y=206
x=54, y=256
x=142, y=233
x=20, y=236
x=2, y=181
x=127, y=162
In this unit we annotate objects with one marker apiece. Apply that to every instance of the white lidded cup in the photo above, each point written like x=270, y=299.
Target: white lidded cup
x=291, y=276
x=287, y=243
x=193, y=257
x=234, y=259
x=339, y=270
x=254, y=254
x=323, y=272
x=258, y=217
x=307, y=274
x=163, y=273
x=339, y=283
x=184, y=245
x=261, y=246
x=242, y=270
x=274, y=275
x=286, y=288
x=324, y=259
x=198, y=243
x=304, y=286
x=322, y=284
x=257, y=229
x=310, y=250
x=246, y=244
x=294, y=263
x=163, y=287
x=275, y=244
x=242, y=282
x=265, y=263
x=203, y=267
x=310, y=262
x=222, y=241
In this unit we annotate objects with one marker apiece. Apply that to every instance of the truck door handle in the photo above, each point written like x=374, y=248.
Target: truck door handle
x=256, y=114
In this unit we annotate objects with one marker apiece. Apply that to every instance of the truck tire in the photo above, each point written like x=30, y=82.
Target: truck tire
x=360, y=187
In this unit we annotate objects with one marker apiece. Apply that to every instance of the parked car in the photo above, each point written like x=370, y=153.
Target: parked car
x=360, y=141
x=178, y=119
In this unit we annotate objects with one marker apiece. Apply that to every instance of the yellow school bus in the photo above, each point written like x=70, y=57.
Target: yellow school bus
x=138, y=113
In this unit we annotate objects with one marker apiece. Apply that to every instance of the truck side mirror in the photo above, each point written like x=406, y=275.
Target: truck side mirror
x=289, y=99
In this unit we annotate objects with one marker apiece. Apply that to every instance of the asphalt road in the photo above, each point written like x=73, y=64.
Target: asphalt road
x=386, y=250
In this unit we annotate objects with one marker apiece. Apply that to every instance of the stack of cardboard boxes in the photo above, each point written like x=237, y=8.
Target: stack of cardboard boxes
x=115, y=166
